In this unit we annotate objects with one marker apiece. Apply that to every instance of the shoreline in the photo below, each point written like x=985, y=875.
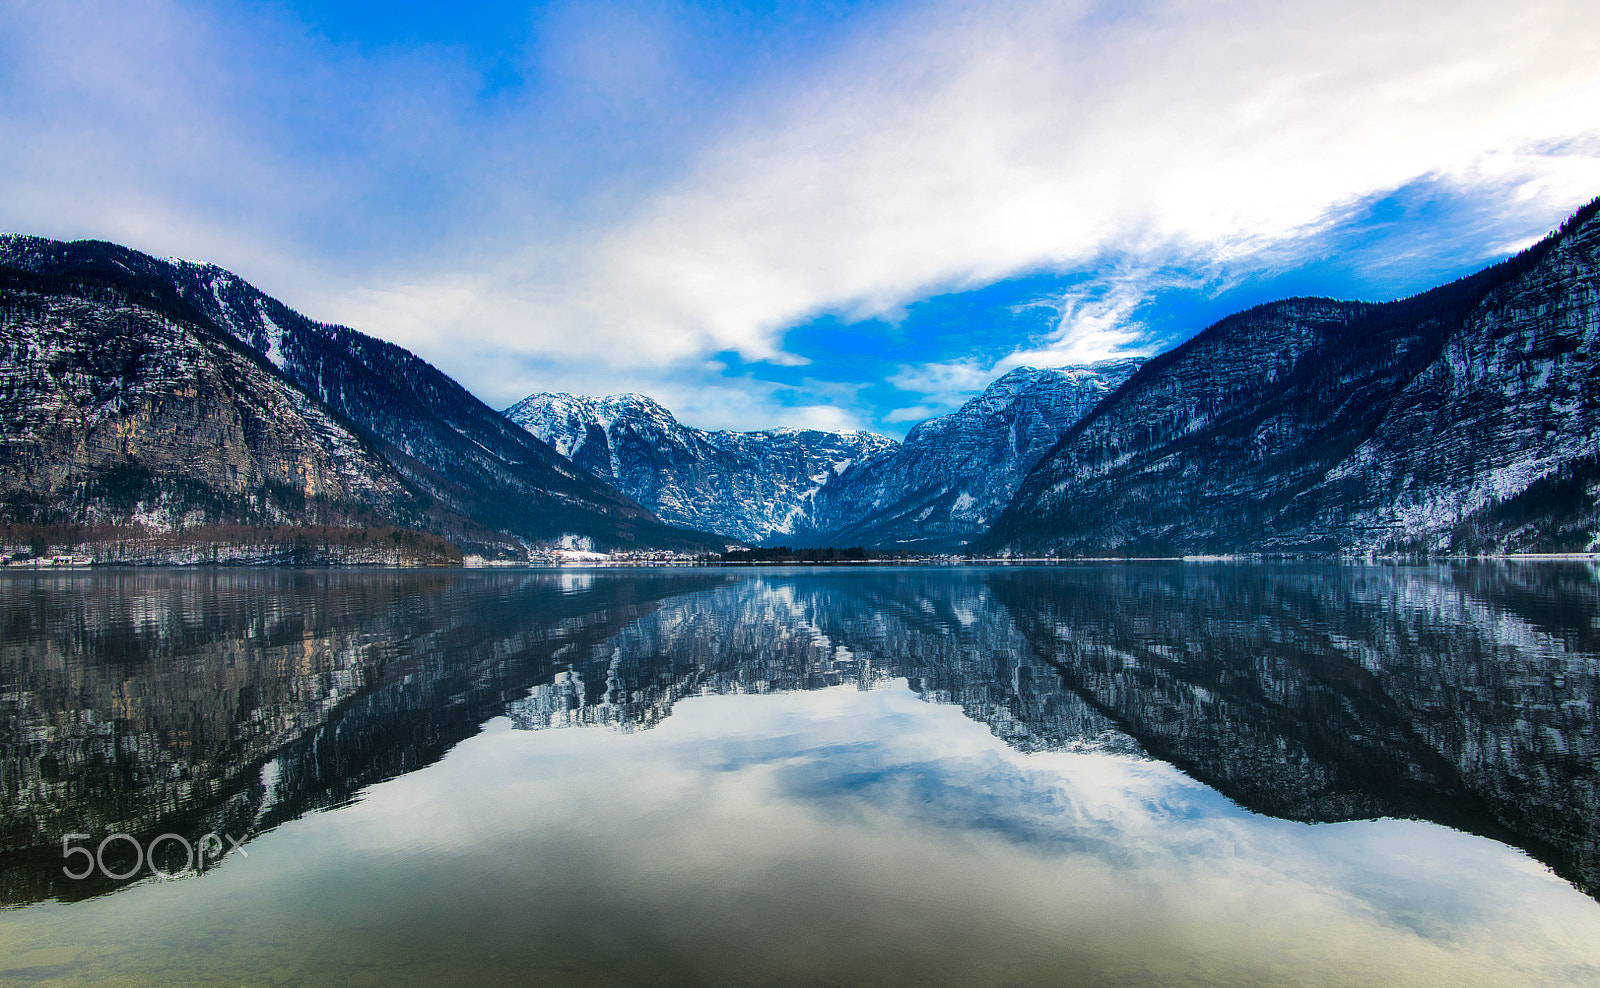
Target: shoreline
x=36, y=566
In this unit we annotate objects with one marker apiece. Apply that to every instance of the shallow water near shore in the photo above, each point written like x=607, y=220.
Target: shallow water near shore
x=1227, y=774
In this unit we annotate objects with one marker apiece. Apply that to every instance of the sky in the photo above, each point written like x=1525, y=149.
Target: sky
x=822, y=214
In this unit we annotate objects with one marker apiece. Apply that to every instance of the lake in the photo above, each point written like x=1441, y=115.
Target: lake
x=1097, y=774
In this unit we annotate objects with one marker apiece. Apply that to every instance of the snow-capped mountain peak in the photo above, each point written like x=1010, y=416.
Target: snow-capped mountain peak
x=809, y=487
x=753, y=486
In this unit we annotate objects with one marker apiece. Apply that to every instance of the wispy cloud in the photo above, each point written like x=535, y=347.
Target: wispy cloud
x=914, y=413
x=1095, y=319
x=1093, y=324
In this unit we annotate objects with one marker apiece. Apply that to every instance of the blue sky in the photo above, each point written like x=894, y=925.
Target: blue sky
x=827, y=214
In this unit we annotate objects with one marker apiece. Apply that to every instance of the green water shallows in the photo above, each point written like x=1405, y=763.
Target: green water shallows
x=1096, y=775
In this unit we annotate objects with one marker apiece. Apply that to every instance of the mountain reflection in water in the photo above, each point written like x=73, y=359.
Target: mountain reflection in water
x=232, y=702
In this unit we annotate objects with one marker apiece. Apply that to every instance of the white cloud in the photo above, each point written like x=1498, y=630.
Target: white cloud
x=1090, y=322
x=944, y=377
x=1092, y=325
x=972, y=144
x=746, y=403
x=943, y=385
x=623, y=220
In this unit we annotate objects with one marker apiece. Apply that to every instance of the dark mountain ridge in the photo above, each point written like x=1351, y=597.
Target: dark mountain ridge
x=105, y=389
x=1462, y=419
x=1315, y=425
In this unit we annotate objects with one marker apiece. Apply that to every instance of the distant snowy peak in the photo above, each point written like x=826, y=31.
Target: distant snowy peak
x=579, y=427
x=938, y=490
x=753, y=486
x=598, y=410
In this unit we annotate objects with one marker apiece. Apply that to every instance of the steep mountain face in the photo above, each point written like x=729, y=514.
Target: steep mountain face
x=1464, y=418
x=953, y=476
x=122, y=407
x=462, y=457
x=757, y=487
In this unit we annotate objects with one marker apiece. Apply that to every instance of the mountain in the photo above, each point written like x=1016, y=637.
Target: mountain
x=465, y=470
x=1462, y=419
x=955, y=474
x=754, y=486
x=121, y=408
x=933, y=493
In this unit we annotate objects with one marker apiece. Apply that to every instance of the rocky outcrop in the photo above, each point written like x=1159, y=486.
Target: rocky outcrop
x=123, y=408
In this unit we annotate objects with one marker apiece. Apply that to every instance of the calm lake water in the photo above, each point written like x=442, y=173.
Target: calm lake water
x=1184, y=774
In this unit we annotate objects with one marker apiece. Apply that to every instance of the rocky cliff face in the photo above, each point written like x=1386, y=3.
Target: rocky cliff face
x=1464, y=418
x=757, y=487
x=953, y=476
x=123, y=408
x=460, y=456
x=936, y=491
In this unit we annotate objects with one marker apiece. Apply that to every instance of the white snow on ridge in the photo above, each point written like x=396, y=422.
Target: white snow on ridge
x=274, y=334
